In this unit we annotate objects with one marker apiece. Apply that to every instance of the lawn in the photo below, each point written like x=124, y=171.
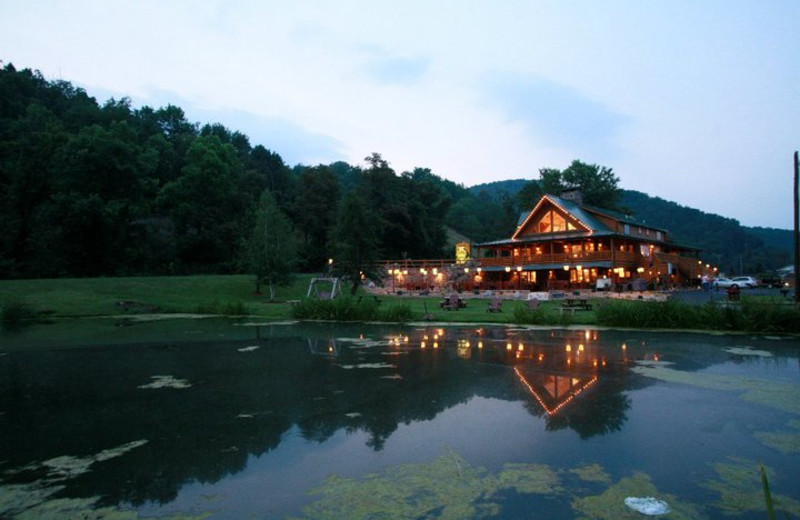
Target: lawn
x=213, y=294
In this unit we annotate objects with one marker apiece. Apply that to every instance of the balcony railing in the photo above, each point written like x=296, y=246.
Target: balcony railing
x=620, y=257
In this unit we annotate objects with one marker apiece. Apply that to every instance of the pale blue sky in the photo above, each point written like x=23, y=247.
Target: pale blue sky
x=695, y=102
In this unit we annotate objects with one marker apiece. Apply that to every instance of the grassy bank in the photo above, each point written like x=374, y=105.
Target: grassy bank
x=209, y=294
x=233, y=295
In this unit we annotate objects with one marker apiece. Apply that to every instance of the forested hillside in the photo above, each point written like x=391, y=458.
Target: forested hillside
x=90, y=189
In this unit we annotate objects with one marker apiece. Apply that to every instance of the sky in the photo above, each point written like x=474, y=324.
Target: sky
x=692, y=101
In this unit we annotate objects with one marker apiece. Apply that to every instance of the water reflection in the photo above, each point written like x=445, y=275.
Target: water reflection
x=243, y=390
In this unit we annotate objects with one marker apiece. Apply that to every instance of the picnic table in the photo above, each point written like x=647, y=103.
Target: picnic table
x=449, y=303
x=576, y=304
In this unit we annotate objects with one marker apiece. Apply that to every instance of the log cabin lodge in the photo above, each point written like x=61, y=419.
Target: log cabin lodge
x=563, y=244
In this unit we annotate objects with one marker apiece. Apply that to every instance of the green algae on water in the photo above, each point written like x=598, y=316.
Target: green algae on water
x=780, y=395
x=610, y=505
x=446, y=487
x=787, y=443
x=740, y=489
x=592, y=473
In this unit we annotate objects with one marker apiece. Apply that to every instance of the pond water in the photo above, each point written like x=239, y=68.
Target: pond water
x=222, y=419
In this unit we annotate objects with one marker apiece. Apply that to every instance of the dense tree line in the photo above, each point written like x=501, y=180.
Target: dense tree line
x=90, y=189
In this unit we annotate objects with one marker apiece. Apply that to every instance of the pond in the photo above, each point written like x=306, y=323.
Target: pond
x=223, y=419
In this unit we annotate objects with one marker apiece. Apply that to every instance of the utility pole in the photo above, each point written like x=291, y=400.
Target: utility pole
x=796, y=196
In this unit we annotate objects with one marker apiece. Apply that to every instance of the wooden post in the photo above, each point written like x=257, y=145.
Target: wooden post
x=796, y=197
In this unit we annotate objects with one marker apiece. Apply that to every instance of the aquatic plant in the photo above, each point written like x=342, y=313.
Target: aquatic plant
x=743, y=488
x=610, y=505
x=542, y=315
x=750, y=315
x=348, y=308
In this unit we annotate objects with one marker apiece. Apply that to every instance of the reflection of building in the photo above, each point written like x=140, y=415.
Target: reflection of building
x=563, y=243
x=553, y=391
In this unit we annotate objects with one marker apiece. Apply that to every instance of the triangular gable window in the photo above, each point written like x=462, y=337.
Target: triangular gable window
x=553, y=222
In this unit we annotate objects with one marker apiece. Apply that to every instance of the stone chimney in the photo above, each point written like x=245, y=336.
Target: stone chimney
x=574, y=195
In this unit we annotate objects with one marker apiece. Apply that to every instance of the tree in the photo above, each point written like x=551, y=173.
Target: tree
x=598, y=184
x=203, y=204
x=315, y=210
x=355, y=240
x=271, y=253
x=529, y=195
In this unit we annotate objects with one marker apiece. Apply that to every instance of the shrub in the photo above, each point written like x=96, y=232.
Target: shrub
x=15, y=313
x=345, y=308
x=750, y=315
x=541, y=315
x=396, y=313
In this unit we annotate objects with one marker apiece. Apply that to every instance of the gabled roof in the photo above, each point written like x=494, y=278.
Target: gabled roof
x=584, y=218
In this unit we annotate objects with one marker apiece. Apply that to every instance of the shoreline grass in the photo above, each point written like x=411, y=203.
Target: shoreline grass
x=233, y=295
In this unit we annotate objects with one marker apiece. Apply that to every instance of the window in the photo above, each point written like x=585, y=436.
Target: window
x=552, y=222
x=559, y=223
x=658, y=235
x=627, y=229
x=546, y=224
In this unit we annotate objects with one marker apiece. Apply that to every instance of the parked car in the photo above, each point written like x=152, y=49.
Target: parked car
x=771, y=281
x=742, y=282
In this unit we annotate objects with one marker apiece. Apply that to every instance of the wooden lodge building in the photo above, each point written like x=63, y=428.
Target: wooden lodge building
x=563, y=244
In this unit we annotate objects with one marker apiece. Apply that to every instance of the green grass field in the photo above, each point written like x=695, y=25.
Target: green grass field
x=211, y=294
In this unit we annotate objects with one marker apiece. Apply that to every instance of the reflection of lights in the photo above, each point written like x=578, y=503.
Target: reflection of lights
x=480, y=344
x=604, y=361
x=594, y=362
x=520, y=347
x=435, y=344
x=509, y=346
x=425, y=337
x=655, y=357
x=541, y=357
x=580, y=347
x=588, y=335
x=562, y=404
x=422, y=345
x=440, y=332
x=568, y=348
x=624, y=346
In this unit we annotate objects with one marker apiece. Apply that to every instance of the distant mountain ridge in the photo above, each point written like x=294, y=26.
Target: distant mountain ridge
x=724, y=241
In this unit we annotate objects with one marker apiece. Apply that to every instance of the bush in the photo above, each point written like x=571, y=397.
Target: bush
x=15, y=313
x=541, y=316
x=750, y=315
x=347, y=308
x=400, y=313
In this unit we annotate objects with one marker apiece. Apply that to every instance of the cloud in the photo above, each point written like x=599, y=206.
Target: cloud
x=555, y=114
x=386, y=68
x=397, y=70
